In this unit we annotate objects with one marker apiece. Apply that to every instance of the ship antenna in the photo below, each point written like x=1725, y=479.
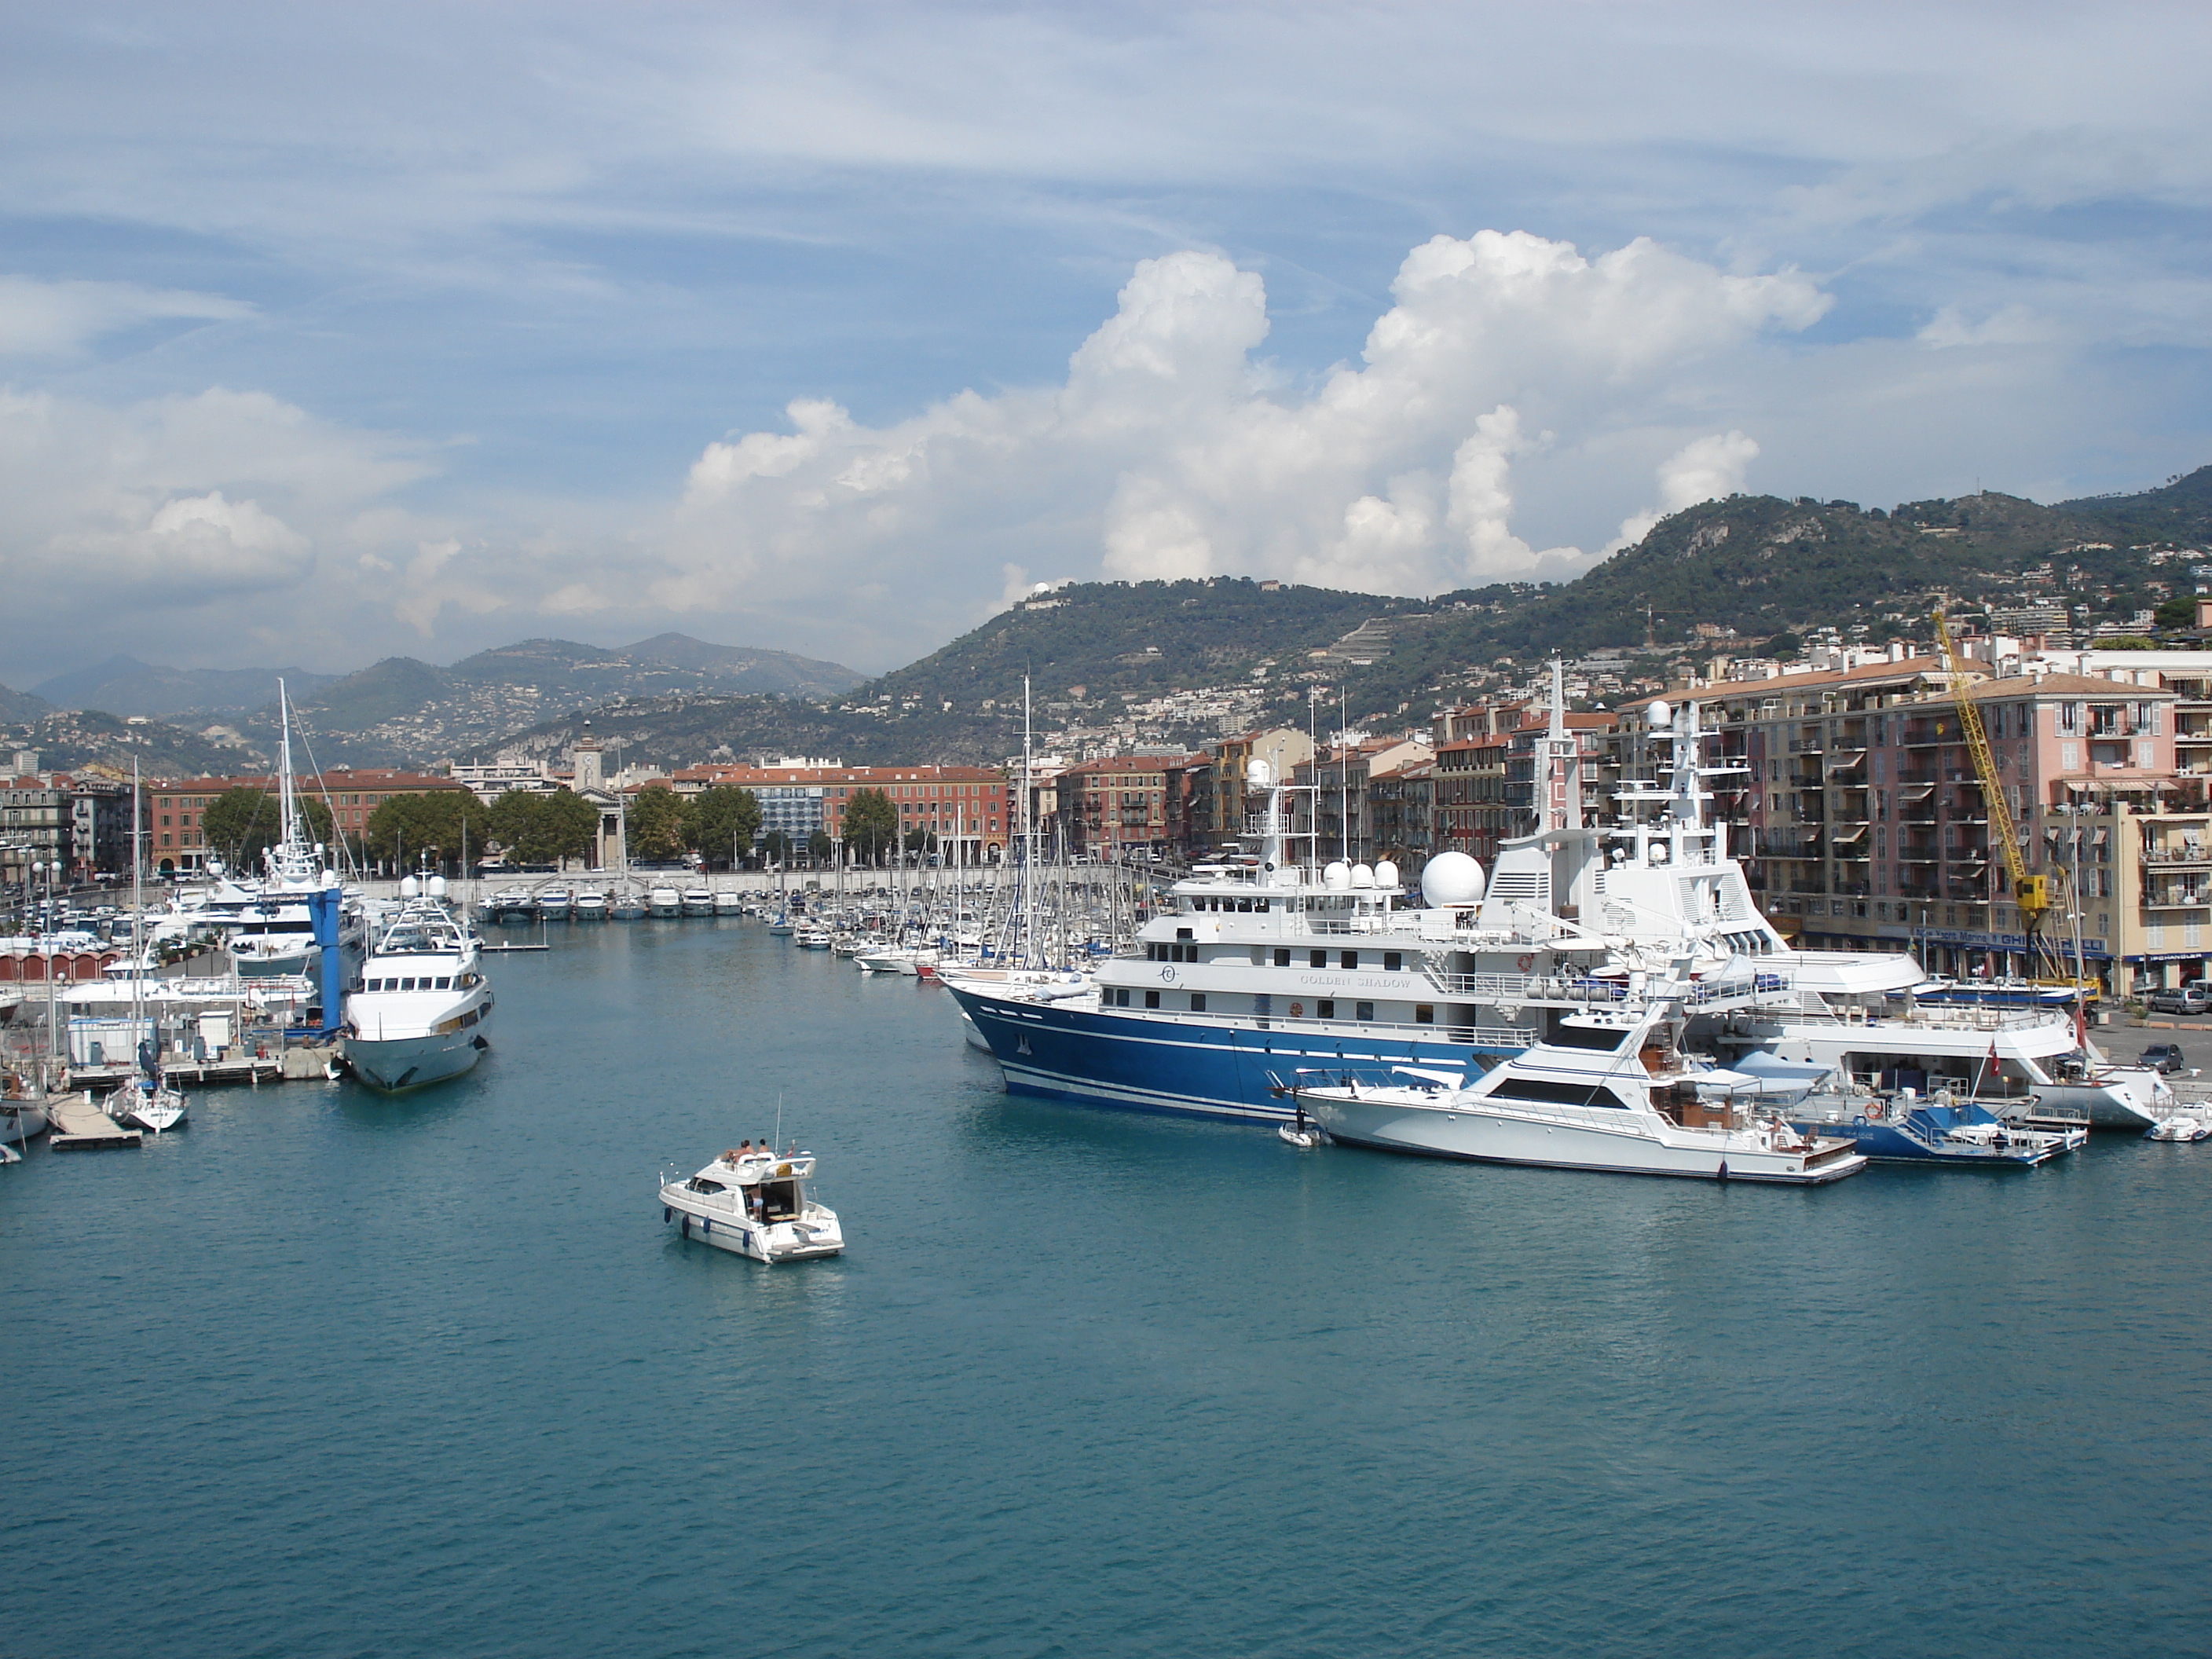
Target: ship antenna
x=779, y=1121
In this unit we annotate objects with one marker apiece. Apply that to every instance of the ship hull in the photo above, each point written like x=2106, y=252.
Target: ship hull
x=1185, y=1068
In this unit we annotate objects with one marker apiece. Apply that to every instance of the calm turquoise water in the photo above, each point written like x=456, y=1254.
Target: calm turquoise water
x=328, y=1374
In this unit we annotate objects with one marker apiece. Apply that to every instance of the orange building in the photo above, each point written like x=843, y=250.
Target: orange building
x=175, y=837
x=972, y=806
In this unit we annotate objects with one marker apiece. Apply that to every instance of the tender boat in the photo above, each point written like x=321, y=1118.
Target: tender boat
x=2179, y=1126
x=754, y=1204
x=1943, y=1129
x=419, y=1016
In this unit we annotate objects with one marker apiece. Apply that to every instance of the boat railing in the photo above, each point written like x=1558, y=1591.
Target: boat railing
x=1512, y=1038
x=1960, y=1017
x=1569, y=988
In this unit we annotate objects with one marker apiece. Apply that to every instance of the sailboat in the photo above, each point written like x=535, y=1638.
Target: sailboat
x=147, y=1101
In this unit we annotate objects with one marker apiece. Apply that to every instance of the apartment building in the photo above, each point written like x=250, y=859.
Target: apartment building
x=1863, y=823
x=81, y=822
x=176, y=838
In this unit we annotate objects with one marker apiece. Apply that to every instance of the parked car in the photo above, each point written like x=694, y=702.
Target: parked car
x=2191, y=999
x=2164, y=1058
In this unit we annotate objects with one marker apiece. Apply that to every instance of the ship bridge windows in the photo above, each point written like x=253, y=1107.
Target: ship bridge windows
x=1317, y=958
x=1157, y=952
x=1605, y=1040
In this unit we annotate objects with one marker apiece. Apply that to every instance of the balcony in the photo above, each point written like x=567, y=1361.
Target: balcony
x=2177, y=855
x=2177, y=898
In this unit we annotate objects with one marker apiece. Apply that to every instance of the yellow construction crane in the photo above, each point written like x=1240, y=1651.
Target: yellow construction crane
x=2031, y=893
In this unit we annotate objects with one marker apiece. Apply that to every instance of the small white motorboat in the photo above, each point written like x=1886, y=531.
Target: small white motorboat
x=1302, y=1132
x=812, y=938
x=2179, y=1126
x=9, y=1154
x=755, y=1204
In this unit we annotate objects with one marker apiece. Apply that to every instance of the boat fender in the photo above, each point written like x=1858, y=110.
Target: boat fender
x=667, y=1215
x=1525, y=963
x=687, y=1226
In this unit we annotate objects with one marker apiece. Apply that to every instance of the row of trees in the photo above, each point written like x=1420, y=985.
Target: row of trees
x=722, y=824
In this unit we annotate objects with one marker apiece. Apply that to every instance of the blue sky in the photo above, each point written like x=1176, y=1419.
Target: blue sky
x=336, y=333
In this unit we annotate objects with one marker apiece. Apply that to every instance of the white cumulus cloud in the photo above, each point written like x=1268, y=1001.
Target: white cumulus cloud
x=1172, y=450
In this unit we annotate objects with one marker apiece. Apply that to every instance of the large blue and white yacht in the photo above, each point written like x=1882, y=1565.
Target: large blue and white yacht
x=1267, y=965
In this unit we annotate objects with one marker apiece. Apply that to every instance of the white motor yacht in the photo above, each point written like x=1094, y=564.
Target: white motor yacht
x=1605, y=1090
x=590, y=907
x=664, y=901
x=419, y=1016
x=755, y=1204
x=555, y=903
x=627, y=905
x=697, y=901
x=812, y=936
x=728, y=902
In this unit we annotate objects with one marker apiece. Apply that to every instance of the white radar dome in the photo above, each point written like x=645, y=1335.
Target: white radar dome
x=1661, y=716
x=1451, y=878
x=1259, y=774
x=437, y=887
x=407, y=887
x=1386, y=874
x=1362, y=876
x=1338, y=875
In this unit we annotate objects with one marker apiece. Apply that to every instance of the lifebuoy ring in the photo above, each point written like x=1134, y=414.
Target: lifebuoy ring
x=1525, y=963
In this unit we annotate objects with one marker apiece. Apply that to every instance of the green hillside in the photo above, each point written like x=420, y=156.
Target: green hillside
x=1757, y=567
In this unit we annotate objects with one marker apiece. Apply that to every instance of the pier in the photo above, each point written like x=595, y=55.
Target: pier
x=79, y=1126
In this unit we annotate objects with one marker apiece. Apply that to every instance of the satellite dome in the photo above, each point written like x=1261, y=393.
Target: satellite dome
x=1451, y=878
x=1386, y=874
x=1661, y=716
x=437, y=887
x=1338, y=875
x=1259, y=774
x=407, y=887
x=1362, y=876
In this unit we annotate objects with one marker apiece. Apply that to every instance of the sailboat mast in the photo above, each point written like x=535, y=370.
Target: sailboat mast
x=1029, y=833
x=287, y=805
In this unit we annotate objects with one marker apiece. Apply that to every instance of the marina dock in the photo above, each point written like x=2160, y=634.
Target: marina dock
x=79, y=1126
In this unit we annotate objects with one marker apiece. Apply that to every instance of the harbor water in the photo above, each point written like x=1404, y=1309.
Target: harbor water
x=334, y=1374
